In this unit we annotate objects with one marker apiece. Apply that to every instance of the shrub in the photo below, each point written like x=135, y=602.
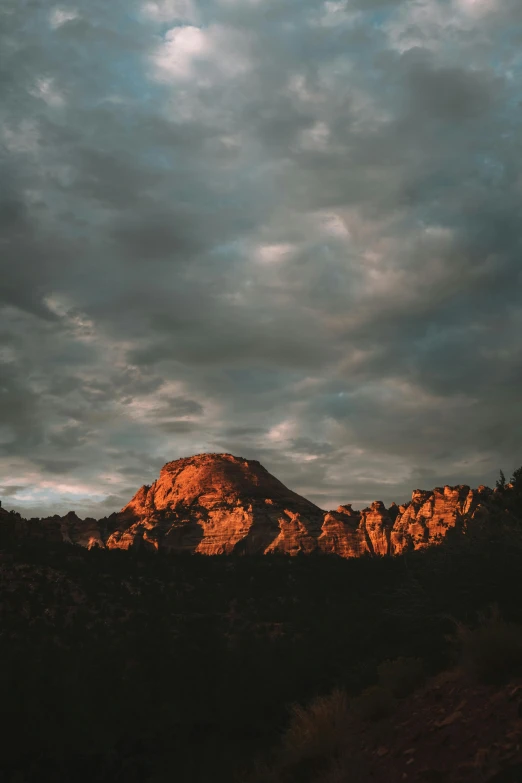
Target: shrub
x=401, y=676
x=316, y=731
x=373, y=703
x=492, y=651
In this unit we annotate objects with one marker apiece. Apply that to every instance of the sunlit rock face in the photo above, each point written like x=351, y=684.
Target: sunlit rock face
x=342, y=533
x=353, y=533
x=217, y=503
x=422, y=522
x=430, y=515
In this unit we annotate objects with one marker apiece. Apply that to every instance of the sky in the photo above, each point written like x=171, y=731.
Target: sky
x=284, y=229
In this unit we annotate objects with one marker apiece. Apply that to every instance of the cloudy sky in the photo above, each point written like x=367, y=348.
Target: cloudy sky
x=287, y=229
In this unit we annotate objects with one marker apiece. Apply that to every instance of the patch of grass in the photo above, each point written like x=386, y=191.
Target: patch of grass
x=492, y=651
x=316, y=731
x=401, y=676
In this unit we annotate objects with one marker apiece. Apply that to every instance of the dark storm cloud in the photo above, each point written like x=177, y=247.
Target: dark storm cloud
x=288, y=230
x=10, y=490
x=452, y=94
x=58, y=466
x=181, y=406
x=19, y=413
x=178, y=427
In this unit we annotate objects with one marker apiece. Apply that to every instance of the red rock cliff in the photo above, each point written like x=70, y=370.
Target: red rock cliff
x=218, y=503
x=422, y=522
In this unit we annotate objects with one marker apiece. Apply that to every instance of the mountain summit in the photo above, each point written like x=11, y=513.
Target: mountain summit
x=218, y=504
x=215, y=504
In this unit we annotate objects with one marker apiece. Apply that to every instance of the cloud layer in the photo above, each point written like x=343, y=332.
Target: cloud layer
x=287, y=230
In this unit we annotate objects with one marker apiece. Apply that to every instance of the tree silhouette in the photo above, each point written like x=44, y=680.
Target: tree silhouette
x=516, y=480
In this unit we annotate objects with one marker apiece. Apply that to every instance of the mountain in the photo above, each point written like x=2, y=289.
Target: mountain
x=215, y=504
x=219, y=503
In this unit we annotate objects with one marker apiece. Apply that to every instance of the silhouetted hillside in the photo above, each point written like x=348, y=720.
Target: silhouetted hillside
x=128, y=665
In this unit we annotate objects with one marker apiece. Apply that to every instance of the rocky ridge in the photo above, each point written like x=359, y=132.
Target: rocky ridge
x=219, y=504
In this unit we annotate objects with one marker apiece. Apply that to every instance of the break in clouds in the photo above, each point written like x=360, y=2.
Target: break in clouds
x=285, y=229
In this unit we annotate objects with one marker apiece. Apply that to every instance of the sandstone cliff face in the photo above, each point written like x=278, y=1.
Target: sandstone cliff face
x=214, y=504
x=430, y=515
x=422, y=522
x=218, y=503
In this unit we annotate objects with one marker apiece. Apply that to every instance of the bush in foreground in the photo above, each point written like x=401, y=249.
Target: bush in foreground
x=491, y=652
x=317, y=730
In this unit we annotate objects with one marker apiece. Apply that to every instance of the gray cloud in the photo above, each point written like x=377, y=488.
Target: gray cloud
x=288, y=230
x=9, y=490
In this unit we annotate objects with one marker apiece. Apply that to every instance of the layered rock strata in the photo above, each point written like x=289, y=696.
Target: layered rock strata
x=217, y=503
x=423, y=521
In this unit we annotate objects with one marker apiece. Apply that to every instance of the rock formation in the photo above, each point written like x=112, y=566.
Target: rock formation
x=422, y=522
x=215, y=504
x=218, y=503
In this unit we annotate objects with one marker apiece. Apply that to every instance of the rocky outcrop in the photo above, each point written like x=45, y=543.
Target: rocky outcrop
x=430, y=515
x=422, y=522
x=69, y=528
x=344, y=533
x=217, y=503
x=87, y=532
